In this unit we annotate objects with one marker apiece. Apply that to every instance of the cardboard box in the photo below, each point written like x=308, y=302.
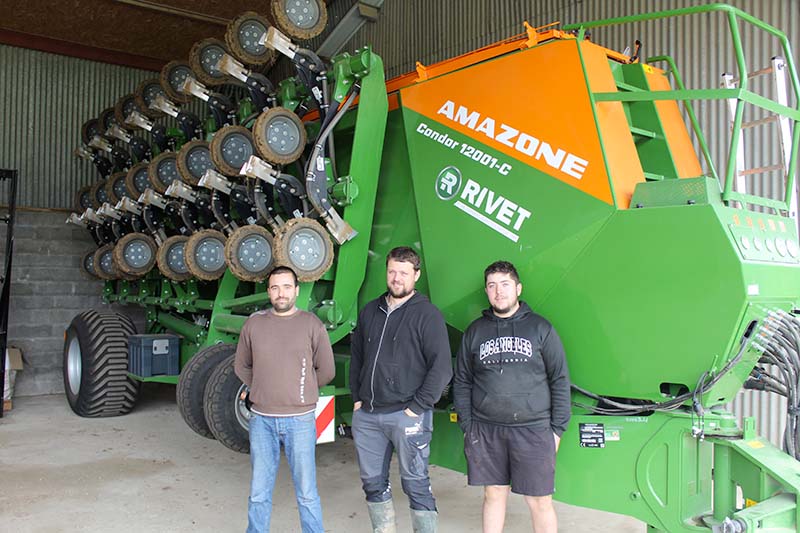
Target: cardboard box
x=13, y=365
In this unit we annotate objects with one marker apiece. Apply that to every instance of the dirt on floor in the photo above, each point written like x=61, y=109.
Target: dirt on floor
x=148, y=471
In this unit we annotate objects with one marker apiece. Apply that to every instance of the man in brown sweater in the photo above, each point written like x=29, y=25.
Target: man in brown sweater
x=284, y=355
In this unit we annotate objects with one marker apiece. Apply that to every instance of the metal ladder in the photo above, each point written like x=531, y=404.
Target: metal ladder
x=778, y=71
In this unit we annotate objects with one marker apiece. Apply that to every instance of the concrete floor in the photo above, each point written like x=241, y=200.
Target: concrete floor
x=148, y=471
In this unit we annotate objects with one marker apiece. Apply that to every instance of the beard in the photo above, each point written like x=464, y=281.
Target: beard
x=506, y=308
x=502, y=310
x=281, y=306
x=402, y=293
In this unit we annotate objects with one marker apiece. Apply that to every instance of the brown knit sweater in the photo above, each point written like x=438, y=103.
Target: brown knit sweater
x=284, y=360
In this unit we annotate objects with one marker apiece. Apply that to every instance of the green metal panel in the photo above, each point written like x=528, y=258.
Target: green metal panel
x=545, y=242
x=396, y=218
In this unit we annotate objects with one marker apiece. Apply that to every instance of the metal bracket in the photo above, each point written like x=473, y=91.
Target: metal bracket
x=161, y=103
x=178, y=189
x=92, y=216
x=100, y=143
x=229, y=65
x=107, y=210
x=151, y=197
x=118, y=133
x=278, y=42
x=195, y=88
x=215, y=181
x=127, y=204
x=73, y=218
x=257, y=168
x=137, y=119
x=83, y=153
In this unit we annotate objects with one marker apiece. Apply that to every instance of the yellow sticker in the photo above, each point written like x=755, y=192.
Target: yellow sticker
x=749, y=503
x=453, y=417
x=755, y=444
x=648, y=69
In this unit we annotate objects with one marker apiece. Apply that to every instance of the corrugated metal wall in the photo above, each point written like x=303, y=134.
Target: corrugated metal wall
x=44, y=99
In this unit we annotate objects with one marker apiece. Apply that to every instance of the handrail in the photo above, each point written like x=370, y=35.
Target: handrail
x=741, y=93
x=701, y=139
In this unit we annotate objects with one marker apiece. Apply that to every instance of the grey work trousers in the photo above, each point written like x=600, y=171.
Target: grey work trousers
x=376, y=436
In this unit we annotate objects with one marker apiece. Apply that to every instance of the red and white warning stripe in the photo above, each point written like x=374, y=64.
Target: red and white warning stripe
x=325, y=414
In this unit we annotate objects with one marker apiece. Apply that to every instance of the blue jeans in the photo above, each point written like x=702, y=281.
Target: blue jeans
x=298, y=434
x=376, y=436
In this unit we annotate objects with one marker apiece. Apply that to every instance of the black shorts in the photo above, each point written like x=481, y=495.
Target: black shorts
x=523, y=457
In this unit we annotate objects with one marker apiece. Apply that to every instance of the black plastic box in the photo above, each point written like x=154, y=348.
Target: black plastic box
x=154, y=355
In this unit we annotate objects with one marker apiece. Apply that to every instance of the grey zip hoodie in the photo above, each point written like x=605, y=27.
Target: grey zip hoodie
x=512, y=372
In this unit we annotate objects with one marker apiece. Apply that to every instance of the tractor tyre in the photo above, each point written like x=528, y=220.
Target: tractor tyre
x=193, y=159
x=242, y=36
x=305, y=246
x=230, y=148
x=135, y=254
x=203, y=58
x=248, y=253
x=146, y=94
x=105, y=120
x=89, y=129
x=83, y=199
x=137, y=179
x=171, y=260
x=124, y=107
x=116, y=187
x=299, y=19
x=98, y=194
x=192, y=385
x=87, y=265
x=162, y=171
x=227, y=416
x=204, y=254
x=104, y=263
x=96, y=364
x=280, y=136
x=173, y=76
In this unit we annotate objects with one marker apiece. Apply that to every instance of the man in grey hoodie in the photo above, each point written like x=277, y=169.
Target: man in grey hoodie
x=512, y=395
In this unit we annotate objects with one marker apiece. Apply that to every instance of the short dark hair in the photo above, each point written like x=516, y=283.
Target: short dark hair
x=405, y=254
x=501, y=267
x=282, y=269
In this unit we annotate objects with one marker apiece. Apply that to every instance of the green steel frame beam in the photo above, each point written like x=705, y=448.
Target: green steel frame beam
x=365, y=164
x=701, y=139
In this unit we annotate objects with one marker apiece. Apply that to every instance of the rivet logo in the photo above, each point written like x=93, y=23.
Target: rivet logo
x=448, y=183
x=488, y=207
